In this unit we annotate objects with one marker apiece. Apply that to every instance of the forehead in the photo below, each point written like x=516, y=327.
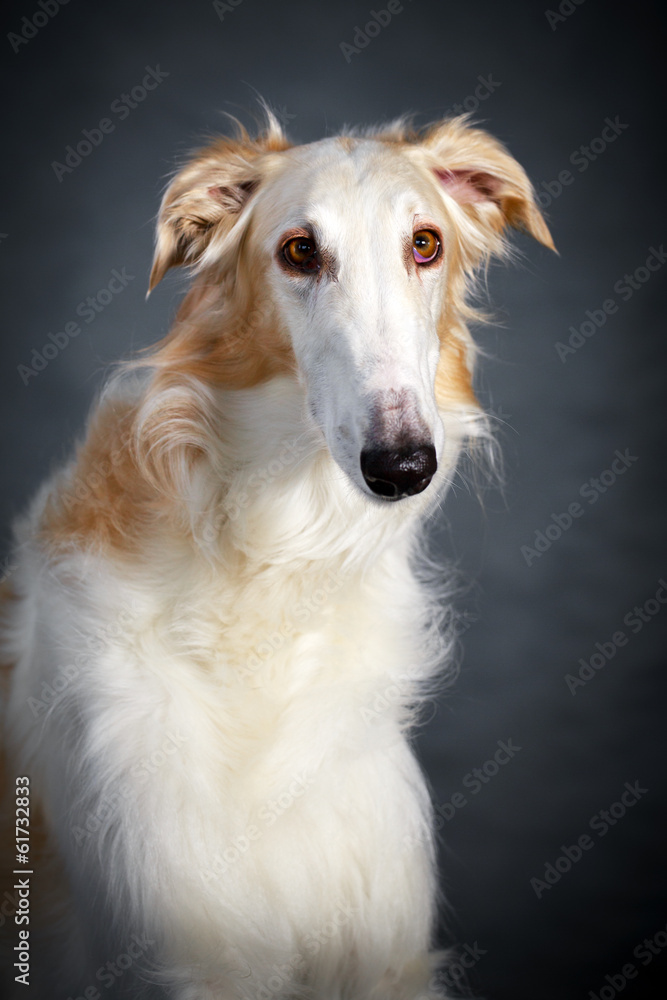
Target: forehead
x=341, y=180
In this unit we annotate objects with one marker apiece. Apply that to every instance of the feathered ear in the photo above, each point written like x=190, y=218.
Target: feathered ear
x=478, y=172
x=208, y=195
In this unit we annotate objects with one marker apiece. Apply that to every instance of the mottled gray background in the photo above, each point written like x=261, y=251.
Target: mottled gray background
x=561, y=422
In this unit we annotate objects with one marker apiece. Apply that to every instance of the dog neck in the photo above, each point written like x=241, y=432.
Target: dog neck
x=281, y=499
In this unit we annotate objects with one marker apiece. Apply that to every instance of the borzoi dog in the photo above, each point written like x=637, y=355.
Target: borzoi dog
x=217, y=633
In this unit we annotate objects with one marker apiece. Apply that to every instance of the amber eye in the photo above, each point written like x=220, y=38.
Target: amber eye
x=301, y=253
x=425, y=246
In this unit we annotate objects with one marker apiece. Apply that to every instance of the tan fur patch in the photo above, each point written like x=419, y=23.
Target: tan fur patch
x=346, y=142
x=227, y=331
x=207, y=194
x=226, y=335
x=231, y=351
x=108, y=500
x=453, y=378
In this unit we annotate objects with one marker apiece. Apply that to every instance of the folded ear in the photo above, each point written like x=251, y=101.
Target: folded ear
x=478, y=172
x=208, y=195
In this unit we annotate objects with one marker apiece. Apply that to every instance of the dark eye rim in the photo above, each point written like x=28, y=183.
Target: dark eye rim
x=303, y=267
x=428, y=261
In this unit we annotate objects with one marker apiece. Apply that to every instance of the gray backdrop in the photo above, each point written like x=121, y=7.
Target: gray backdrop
x=552, y=79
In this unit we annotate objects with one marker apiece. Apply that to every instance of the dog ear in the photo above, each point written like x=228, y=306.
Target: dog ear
x=208, y=195
x=478, y=172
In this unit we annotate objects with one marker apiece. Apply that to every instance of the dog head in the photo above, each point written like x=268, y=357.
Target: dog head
x=355, y=254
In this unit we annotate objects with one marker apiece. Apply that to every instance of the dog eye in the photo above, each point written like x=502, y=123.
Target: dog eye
x=302, y=254
x=425, y=246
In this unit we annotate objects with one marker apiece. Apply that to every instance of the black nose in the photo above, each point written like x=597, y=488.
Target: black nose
x=395, y=474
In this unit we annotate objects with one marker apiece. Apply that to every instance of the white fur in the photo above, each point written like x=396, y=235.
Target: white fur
x=314, y=722
x=226, y=770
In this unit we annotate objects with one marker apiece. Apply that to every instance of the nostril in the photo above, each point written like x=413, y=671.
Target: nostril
x=398, y=473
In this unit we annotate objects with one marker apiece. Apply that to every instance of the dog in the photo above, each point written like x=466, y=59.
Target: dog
x=219, y=630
